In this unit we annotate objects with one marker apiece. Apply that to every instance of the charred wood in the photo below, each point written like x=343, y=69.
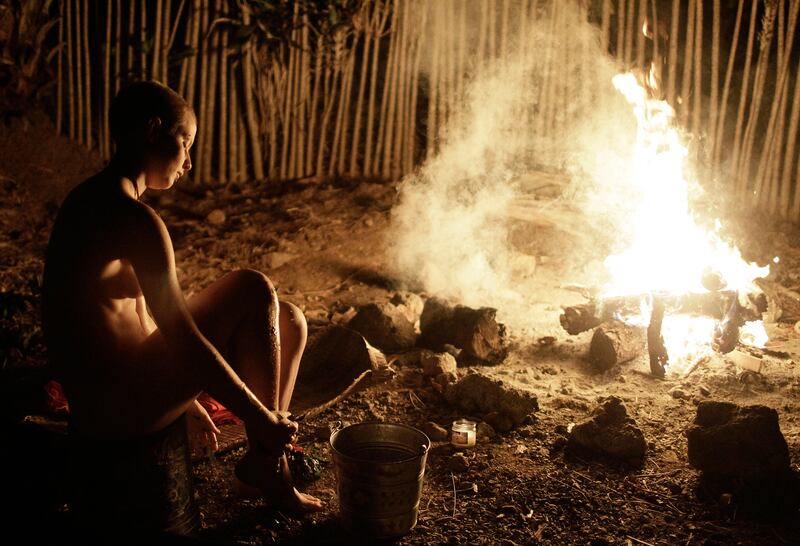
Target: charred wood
x=615, y=342
x=655, y=341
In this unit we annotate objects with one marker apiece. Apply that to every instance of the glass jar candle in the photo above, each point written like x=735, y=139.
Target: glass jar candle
x=463, y=433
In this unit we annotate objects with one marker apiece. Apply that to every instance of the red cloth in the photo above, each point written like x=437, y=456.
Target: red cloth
x=58, y=404
x=56, y=400
x=218, y=413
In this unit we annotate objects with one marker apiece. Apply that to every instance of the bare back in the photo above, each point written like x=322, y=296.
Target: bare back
x=94, y=312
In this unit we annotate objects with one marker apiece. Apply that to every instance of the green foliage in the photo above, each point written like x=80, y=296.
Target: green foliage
x=273, y=21
x=25, y=71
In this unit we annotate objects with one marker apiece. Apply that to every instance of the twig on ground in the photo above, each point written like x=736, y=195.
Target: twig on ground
x=412, y=396
x=638, y=540
x=452, y=477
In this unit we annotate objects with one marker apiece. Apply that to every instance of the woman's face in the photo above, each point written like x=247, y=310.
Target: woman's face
x=169, y=159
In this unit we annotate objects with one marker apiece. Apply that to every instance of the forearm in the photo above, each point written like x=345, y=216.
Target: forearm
x=215, y=376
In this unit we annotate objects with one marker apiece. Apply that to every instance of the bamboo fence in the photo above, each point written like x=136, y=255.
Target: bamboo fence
x=373, y=97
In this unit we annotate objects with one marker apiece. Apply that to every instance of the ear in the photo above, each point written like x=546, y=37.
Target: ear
x=153, y=129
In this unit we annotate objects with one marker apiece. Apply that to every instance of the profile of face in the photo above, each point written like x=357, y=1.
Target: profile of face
x=167, y=154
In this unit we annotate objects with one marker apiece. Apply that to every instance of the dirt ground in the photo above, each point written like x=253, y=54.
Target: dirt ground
x=323, y=245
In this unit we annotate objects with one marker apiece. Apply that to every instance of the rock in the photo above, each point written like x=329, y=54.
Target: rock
x=679, y=394
x=475, y=331
x=743, y=443
x=444, y=380
x=274, y=260
x=485, y=432
x=609, y=434
x=499, y=421
x=435, y=432
x=435, y=364
x=411, y=303
x=457, y=462
x=385, y=326
x=477, y=393
x=216, y=217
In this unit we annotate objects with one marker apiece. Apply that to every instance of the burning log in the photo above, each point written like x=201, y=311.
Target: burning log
x=580, y=318
x=615, y=342
x=786, y=302
x=655, y=341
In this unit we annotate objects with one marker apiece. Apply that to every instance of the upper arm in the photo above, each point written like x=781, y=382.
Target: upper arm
x=149, y=249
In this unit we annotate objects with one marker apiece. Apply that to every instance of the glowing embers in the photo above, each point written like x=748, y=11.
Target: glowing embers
x=669, y=253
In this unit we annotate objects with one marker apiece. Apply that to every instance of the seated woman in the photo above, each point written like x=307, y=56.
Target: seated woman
x=132, y=354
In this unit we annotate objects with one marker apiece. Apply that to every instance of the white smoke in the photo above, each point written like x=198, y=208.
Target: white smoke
x=452, y=230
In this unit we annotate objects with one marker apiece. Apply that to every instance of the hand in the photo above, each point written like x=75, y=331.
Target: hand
x=273, y=432
x=202, y=430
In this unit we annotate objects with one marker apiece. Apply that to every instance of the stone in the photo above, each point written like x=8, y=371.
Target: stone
x=435, y=432
x=411, y=304
x=216, y=217
x=477, y=393
x=485, y=432
x=435, y=364
x=385, y=326
x=274, y=260
x=444, y=380
x=475, y=331
x=499, y=421
x=608, y=434
x=679, y=394
x=457, y=462
x=744, y=443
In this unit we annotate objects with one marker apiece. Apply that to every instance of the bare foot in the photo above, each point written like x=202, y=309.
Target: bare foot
x=273, y=482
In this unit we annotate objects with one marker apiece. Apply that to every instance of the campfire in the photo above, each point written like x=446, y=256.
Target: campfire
x=678, y=288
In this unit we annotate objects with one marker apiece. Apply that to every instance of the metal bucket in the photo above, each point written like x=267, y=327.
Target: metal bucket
x=379, y=472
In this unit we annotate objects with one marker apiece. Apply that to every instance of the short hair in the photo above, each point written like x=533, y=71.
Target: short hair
x=140, y=102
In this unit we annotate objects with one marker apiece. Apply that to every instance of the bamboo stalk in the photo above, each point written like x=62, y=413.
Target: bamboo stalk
x=714, y=71
x=672, y=62
x=762, y=188
x=346, y=112
x=772, y=182
x=723, y=107
x=118, y=48
x=312, y=136
x=396, y=163
x=762, y=65
x=81, y=120
x=60, y=84
x=105, y=145
x=412, y=109
x=334, y=75
x=204, y=123
x=621, y=10
x=191, y=61
x=386, y=95
x=641, y=45
x=787, y=182
x=211, y=98
x=737, y=140
x=129, y=37
x=362, y=86
x=697, y=108
x=87, y=75
x=155, y=67
x=287, y=109
x=71, y=88
x=433, y=81
x=234, y=167
x=686, y=79
x=143, y=39
x=605, y=25
x=224, y=152
x=630, y=21
x=304, y=80
x=251, y=117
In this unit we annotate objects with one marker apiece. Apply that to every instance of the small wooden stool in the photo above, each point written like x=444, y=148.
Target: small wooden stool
x=133, y=487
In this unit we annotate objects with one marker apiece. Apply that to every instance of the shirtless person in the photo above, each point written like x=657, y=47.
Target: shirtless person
x=110, y=260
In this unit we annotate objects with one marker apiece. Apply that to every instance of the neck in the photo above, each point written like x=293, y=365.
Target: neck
x=130, y=173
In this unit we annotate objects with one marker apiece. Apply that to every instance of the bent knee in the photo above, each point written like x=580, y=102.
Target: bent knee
x=255, y=287
x=292, y=320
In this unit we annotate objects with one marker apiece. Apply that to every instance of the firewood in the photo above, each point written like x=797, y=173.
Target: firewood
x=655, y=341
x=615, y=342
x=580, y=318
